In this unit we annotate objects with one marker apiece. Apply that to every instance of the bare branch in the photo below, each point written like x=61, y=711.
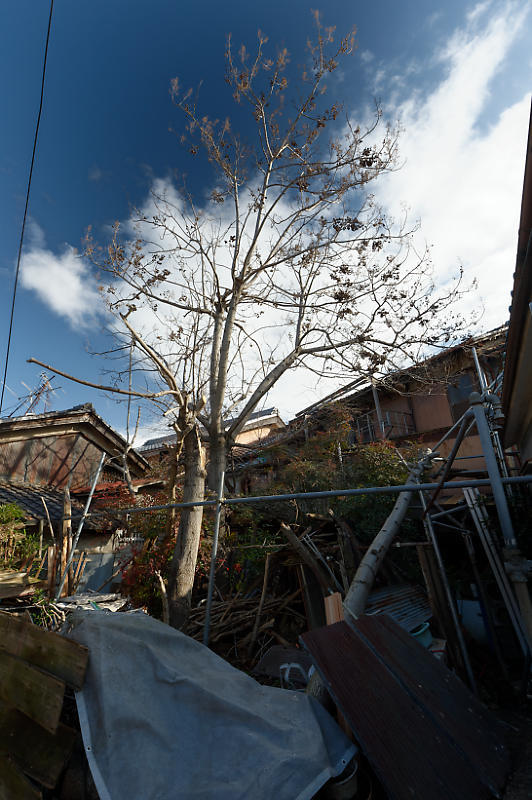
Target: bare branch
x=102, y=387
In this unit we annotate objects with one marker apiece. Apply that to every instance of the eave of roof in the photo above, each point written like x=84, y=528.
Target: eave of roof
x=256, y=420
x=522, y=288
x=82, y=419
x=350, y=391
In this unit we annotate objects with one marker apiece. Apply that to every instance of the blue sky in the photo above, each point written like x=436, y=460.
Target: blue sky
x=457, y=74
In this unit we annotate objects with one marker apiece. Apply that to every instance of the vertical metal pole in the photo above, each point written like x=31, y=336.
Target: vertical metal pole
x=214, y=553
x=497, y=486
x=481, y=521
x=485, y=387
x=80, y=527
x=487, y=616
x=378, y=408
x=449, y=595
x=480, y=372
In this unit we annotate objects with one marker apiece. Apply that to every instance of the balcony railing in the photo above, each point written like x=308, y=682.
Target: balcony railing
x=366, y=427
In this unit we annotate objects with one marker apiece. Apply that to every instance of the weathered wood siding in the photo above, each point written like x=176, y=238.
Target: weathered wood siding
x=59, y=461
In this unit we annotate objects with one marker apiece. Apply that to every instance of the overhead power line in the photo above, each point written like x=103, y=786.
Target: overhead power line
x=8, y=348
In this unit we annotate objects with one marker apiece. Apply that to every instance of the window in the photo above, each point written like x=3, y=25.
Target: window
x=458, y=394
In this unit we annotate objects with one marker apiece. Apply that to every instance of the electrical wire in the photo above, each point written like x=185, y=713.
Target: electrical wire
x=26, y=206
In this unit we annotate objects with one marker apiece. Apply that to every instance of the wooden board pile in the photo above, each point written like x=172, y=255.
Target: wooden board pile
x=17, y=579
x=35, y=667
x=17, y=583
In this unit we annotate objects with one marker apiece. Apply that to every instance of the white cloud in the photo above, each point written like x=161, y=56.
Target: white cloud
x=478, y=10
x=147, y=430
x=463, y=181
x=63, y=282
x=433, y=19
x=95, y=174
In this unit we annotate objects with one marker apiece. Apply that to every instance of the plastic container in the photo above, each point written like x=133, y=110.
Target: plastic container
x=423, y=634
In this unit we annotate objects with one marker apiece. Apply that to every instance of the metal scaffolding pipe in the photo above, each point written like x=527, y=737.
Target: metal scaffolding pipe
x=450, y=458
x=480, y=372
x=431, y=536
x=453, y=510
x=497, y=487
x=233, y=501
x=80, y=527
x=214, y=553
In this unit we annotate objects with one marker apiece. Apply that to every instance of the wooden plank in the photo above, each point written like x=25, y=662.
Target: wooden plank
x=52, y=565
x=38, y=753
x=32, y=691
x=54, y=653
x=334, y=610
x=67, y=543
x=477, y=733
x=16, y=584
x=8, y=575
x=78, y=573
x=13, y=785
x=406, y=747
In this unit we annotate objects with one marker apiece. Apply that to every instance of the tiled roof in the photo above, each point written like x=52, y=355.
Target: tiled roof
x=28, y=498
x=87, y=421
x=170, y=438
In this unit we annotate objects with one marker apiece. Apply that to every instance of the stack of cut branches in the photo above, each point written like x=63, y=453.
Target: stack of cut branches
x=239, y=624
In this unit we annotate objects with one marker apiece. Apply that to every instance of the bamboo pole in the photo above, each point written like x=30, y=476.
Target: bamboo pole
x=41, y=528
x=261, y=604
x=52, y=566
x=52, y=534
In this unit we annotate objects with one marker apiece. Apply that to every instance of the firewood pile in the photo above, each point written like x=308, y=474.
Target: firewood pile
x=287, y=599
x=240, y=626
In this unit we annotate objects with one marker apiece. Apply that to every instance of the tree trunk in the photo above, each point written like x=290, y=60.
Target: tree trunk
x=171, y=494
x=183, y=567
x=217, y=459
x=357, y=596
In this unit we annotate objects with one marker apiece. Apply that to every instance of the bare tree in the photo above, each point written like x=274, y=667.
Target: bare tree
x=176, y=405
x=292, y=263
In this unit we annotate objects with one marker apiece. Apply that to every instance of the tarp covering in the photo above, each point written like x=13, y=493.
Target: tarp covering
x=164, y=717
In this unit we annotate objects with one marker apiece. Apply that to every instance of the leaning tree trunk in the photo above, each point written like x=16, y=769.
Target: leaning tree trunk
x=361, y=585
x=183, y=567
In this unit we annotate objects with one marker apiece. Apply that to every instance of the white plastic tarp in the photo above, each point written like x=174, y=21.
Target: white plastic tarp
x=162, y=717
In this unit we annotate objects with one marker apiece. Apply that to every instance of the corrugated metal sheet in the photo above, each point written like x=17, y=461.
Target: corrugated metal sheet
x=407, y=605
x=425, y=735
